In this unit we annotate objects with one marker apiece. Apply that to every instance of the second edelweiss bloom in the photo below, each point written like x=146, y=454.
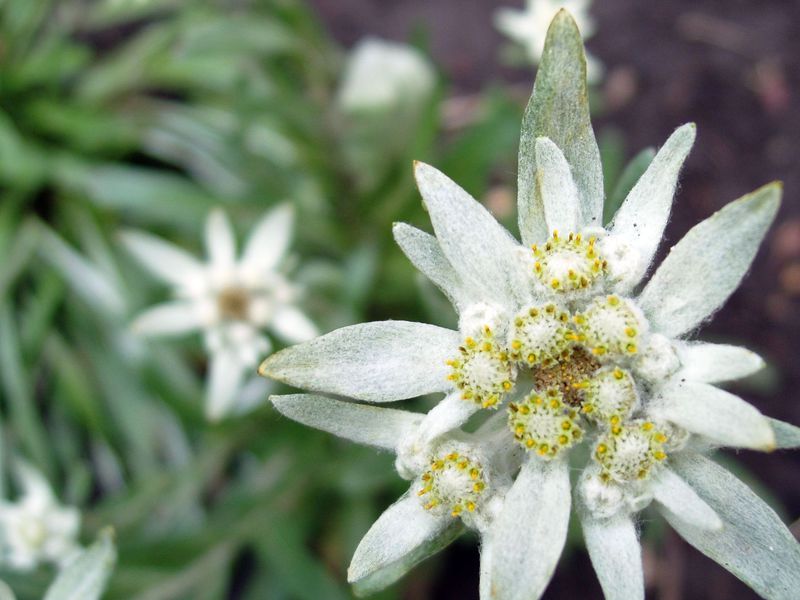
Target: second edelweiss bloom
x=36, y=528
x=230, y=300
x=560, y=349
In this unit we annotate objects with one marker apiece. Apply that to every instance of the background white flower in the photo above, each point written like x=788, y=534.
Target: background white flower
x=528, y=27
x=380, y=75
x=552, y=332
x=35, y=528
x=230, y=300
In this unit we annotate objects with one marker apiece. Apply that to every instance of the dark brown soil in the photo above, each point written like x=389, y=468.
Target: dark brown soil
x=731, y=66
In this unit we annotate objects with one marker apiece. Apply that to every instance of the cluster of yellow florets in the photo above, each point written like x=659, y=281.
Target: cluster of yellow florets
x=453, y=483
x=568, y=263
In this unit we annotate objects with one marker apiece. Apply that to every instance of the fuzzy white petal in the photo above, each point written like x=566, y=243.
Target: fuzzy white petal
x=715, y=414
x=381, y=427
x=402, y=536
x=167, y=261
x=559, y=110
x=269, y=241
x=377, y=362
x=714, y=363
x=786, y=434
x=485, y=584
x=641, y=219
x=674, y=494
x=225, y=376
x=169, y=318
x=482, y=252
x=220, y=241
x=86, y=576
x=530, y=532
x=556, y=188
x=424, y=252
x=292, y=325
x=616, y=556
x=753, y=544
x=703, y=268
x=450, y=413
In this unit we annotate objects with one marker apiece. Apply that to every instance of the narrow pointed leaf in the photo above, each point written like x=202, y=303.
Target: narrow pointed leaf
x=559, y=110
x=377, y=362
x=704, y=268
x=641, y=219
x=715, y=414
x=381, y=427
x=85, y=577
x=404, y=535
x=673, y=493
x=753, y=544
x=616, y=556
x=714, y=363
x=481, y=251
x=530, y=532
x=424, y=252
x=556, y=188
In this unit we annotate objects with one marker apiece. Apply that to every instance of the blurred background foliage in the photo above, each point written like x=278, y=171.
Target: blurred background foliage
x=147, y=113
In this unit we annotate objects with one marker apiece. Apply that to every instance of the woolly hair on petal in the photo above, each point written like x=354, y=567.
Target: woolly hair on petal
x=616, y=555
x=753, y=543
x=715, y=363
x=403, y=535
x=425, y=253
x=365, y=424
x=641, y=219
x=704, y=267
x=377, y=362
x=530, y=532
x=559, y=110
x=481, y=251
x=714, y=414
x=555, y=186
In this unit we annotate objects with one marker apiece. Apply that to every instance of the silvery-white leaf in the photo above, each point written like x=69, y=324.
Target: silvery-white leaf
x=450, y=413
x=715, y=414
x=5, y=592
x=674, y=494
x=402, y=536
x=704, y=268
x=167, y=261
x=220, y=240
x=269, y=240
x=424, y=252
x=377, y=362
x=616, y=555
x=481, y=251
x=559, y=110
x=642, y=217
x=556, y=188
x=381, y=427
x=86, y=576
x=713, y=363
x=753, y=544
x=529, y=534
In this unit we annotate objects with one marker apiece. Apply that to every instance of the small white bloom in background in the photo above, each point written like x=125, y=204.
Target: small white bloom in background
x=381, y=75
x=528, y=27
x=35, y=528
x=560, y=350
x=230, y=300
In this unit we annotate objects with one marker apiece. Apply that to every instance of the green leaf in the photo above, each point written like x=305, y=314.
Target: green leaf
x=559, y=110
x=18, y=390
x=85, y=578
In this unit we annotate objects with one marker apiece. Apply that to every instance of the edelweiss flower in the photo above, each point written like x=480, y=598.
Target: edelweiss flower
x=380, y=75
x=230, y=300
x=562, y=348
x=36, y=528
x=528, y=27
